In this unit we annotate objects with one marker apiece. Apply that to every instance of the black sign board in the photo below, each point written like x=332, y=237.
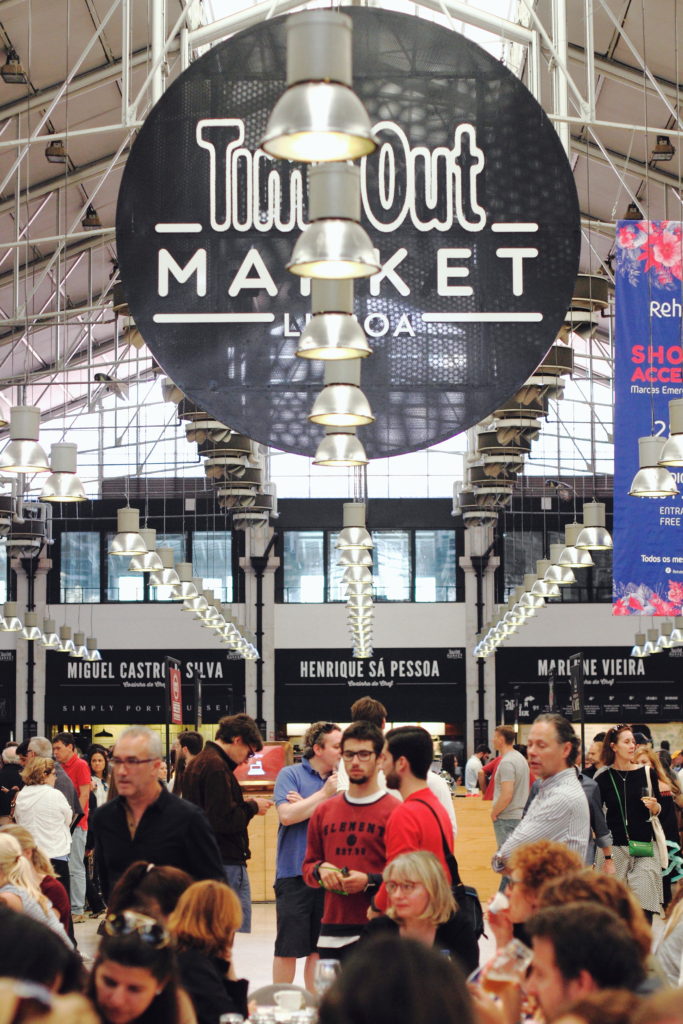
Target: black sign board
x=8, y=674
x=616, y=687
x=415, y=684
x=470, y=201
x=129, y=686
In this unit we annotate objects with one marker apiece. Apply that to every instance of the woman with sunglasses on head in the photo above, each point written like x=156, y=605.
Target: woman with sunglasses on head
x=631, y=798
x=421, y=906
x=204, y=924
x=133, y=980
x=44, y=811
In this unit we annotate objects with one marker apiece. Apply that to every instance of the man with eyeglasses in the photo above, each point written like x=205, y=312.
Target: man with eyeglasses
x=145, y=821
x=210, y=783
x=345, y=853
x=299, y=789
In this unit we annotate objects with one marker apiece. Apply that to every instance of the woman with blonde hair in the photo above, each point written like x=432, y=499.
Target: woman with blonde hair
x=421, y=906
x=18, y=889
x=43, y=873
x=670, y=794
x=203, y=924
x=43, y=810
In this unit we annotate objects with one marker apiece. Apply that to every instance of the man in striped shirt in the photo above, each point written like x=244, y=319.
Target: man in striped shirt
x=560, y=811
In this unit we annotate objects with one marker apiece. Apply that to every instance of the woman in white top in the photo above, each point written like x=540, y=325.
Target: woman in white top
x=43, y=810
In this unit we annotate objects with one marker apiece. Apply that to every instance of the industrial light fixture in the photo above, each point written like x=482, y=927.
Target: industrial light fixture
x=527, y=598
x=357, y=574
x=55, y=153
x=80, y=650
x=556, y=573
x=66, y=644
x=663, y=150
x=23, y=454
x=355, y=556
x=319, y=117
x=128, y=541
x=664, y=639
x=340, y=447
x=198, y=601
x=334, y=245
x=672, y=452
x=63, y=484
x=677, y=634
x=333, y=332
x=353, y=533
x=91, y=221
x=572, y=557
x=49, y=637
x=185, y=588
x=638, y=650
x=594, y=536
x=93, y=653
x=12, y=70
x=652, y=480
x=166, y=576
x=150, y=560
x=341, y=403
x=11, y=623
x=652, y=644
x=542, y=587
x=31, y=629
x=633, y=212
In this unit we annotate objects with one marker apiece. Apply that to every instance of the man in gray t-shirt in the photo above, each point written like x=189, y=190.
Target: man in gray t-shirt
x=511, y=786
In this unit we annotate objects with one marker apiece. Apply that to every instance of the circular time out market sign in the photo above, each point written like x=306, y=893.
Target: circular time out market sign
x=469, y=200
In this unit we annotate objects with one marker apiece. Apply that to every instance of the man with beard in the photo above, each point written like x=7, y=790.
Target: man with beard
x=420, y=822
x=345, y=852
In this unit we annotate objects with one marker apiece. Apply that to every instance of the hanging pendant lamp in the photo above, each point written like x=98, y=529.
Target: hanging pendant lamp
x=66, y=644
x=340, y=447
x=128, y=541
x=353, y=534
x=341, y=403
x=49, y=638
x=572, y=557
x=11, y=621
x=166, y=576
x=185, y=589
x=594, y=536
x=355, y=556
x=23, y=454
x=542, y=587
x=63, y=484
x=31, y=629
x=80, y=650
x=638, y=650
x=652, y=644
x=677, y=634
x=556, y=573
x=652, y=480
x=150, y=561
x=333, y=332
x=93, y=652
x=672, y=452
x=319, y=117
x=334, y=245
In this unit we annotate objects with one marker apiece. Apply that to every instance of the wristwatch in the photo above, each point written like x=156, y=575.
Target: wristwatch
x=607, y=856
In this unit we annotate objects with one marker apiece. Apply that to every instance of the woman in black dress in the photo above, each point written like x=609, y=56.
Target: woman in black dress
x=629, y=801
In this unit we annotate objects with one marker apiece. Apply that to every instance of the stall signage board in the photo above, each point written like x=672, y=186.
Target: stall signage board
x=470, y=202
x=8, y=661
x=174, y=680
x=130, y=686
x=415, y=684
x=616, y=687
x=648, y=374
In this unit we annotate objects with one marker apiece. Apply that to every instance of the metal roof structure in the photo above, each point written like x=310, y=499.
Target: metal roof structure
x=607, y=72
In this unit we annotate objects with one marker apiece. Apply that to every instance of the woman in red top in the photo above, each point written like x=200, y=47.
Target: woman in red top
x=45, y=877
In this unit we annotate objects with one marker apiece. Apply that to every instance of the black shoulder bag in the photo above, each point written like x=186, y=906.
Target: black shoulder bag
x=466, y=896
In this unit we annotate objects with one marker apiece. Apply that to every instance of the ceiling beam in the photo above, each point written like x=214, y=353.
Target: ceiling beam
x=624, y=74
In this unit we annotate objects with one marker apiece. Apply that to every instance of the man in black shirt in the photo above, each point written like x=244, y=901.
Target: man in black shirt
x=146, y=822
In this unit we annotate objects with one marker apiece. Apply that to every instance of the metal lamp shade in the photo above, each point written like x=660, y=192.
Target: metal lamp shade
x=63, y=487
x=334, y=248
x=166, y=576
x=638, y=650
x=677, y=633
x=572, y=557
x=93, y=653
x=80, y=650
x=66, y=644
x=652, y=644
x=341, y=405
x=354, y=537
x=31, y=630
x=11, y=623
x=23, y=454
x=594, y=536
x=150, y=561
x=49, y=637
x=652, y=480
x=556, y=573
x=318, y=122
x=665, y=636
x=340, y=448
x=354, y=556
x=128, y=541
x=333, y=336
x=357, y=574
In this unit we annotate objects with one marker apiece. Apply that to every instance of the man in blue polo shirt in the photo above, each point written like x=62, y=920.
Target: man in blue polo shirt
x=299, y=789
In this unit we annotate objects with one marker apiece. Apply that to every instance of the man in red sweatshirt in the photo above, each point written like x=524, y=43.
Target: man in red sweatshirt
x=345, y=852
x=420, y=822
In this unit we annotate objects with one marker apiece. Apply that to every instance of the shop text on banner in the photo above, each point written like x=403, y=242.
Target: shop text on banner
x=648, y=553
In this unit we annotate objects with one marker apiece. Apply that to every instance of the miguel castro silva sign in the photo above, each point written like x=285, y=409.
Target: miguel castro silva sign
x=470, y=201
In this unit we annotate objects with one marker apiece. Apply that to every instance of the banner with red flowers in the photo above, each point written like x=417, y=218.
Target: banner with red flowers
x=648, y=532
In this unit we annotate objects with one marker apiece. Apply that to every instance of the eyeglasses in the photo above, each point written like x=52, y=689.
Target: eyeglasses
x=362, y=755
x=252, y=753
x=131, y=762
x=406, y=887
x=129, y=922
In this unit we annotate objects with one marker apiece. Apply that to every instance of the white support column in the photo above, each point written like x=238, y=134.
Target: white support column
x=478, y=557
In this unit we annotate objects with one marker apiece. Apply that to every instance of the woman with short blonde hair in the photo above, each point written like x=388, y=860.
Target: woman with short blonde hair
x=18, y=889
x=43, y=873
x=421, y=906
x=203, y=925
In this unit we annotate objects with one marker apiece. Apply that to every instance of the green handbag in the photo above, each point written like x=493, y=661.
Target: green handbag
x=636, y=847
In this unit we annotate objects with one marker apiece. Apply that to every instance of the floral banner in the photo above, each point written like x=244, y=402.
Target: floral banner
x=648, y=532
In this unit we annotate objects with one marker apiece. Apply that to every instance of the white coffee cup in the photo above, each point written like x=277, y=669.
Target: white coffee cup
x=288, y=999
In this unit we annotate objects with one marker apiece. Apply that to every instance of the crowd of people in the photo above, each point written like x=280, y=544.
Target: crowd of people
x=587, y=850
